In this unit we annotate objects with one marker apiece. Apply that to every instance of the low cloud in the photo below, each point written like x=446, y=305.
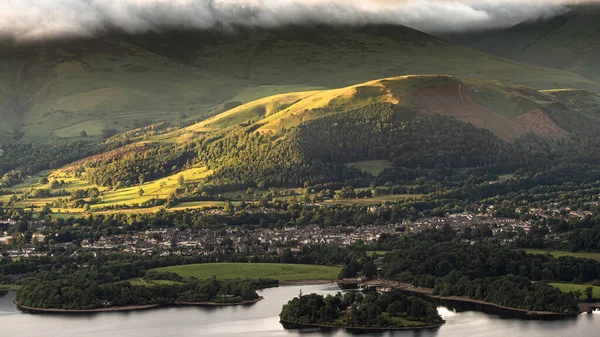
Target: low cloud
x=24, y=20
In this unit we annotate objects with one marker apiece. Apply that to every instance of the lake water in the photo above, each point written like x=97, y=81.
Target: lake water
x=261, y=320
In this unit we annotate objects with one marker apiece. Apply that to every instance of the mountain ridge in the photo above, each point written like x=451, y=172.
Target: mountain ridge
x=62, y=90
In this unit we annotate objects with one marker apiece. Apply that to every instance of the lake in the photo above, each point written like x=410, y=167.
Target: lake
x=261, y=320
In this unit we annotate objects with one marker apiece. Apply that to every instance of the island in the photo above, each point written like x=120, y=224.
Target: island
x=72, y=295
x=371, y=311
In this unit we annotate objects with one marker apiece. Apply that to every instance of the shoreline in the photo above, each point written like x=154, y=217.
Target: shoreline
x=133, y=307
x=463, y=299
x=356, y=328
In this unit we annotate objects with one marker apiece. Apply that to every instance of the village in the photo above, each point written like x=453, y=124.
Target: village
x=237, y=240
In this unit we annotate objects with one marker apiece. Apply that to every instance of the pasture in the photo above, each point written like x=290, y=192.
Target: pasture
x=282, y=272
x=560, y=253
x=568, y=287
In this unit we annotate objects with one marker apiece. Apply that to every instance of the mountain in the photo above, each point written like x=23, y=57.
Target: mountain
x=387, y=130
x=65, y=90
x=310, y=137
x=570, y=42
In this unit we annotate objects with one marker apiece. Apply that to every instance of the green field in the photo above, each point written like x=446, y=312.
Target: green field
x=282, y=272
x=372, y=166
x=378, y=252
x=149, y=283
x=559, y=253
x=374, y=200
x=567, y=287
x=10, y=287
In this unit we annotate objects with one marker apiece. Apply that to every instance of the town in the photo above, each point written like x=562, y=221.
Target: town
x=237, y=240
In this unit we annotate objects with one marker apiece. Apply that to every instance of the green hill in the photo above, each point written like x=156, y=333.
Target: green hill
x=382, y=129
x=56, y=90
x=570, y=42
x=297, y=138
x=509, y=111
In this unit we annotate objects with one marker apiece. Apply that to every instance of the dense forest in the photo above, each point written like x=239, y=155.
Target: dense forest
x=486, y=272
x=353, y=309
x=82, y=292
x=70, y=281
x=22, y=159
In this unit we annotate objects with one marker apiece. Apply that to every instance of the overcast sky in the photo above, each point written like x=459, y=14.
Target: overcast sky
x=36, y=19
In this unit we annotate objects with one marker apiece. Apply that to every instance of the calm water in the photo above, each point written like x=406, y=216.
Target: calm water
x=261, y=320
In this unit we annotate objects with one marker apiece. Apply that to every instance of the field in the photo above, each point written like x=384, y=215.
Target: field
x=378, y=252
x=567, y=287
x=559, y=253
x=374, y=200
x=150, y=283
x=160, y=188
x=10, y=287
x=282, y=272
x=372, y=166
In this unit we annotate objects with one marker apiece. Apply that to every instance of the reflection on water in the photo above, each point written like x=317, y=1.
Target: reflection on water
x=261, y=319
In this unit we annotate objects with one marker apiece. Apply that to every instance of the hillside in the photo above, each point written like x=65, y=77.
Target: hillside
x=59, y=89
x=383, y=129
x=569, y=42
x=508, y=111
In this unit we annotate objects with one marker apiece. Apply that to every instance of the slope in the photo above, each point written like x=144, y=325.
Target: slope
x=9, y=108
x=311, y=138
x=569, y=42
x=62, y=88
x=290, y=139
x=509, y=111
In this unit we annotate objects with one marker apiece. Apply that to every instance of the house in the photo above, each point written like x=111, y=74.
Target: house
x=6, y=240
x=38, y=237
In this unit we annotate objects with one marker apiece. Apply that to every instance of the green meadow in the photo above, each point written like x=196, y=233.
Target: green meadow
x=282, y=272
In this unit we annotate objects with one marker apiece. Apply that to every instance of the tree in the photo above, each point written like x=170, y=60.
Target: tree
x=370, y=270
x=55, y=184
x=43, y=181
x=181, y=180
x=141, y=192
x=107, y=133
x=229, y=208
x=250, y=192
x=589, y=294
x=83, y=134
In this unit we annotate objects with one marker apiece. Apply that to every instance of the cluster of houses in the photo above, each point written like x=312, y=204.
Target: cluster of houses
x=236, y=240
x=273, y=240
x=461, y=221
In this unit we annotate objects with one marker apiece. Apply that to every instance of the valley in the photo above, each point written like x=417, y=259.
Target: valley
x=194, y=164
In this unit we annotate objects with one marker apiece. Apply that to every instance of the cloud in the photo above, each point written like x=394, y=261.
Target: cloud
x=24, y=20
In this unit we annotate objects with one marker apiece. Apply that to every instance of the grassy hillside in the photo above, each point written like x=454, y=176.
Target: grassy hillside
x=509, y=111
x=57, y=90
x=355, y=133
x=569, y=42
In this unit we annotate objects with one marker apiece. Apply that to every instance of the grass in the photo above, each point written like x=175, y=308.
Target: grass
x=374, y=167
x=560, y=253
x=160, y=188
x=282, y=272
x=506, y=100
x=150, y=283
x=10, y=287
x=378, y=252
x=568, y=287
x=374, y=200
